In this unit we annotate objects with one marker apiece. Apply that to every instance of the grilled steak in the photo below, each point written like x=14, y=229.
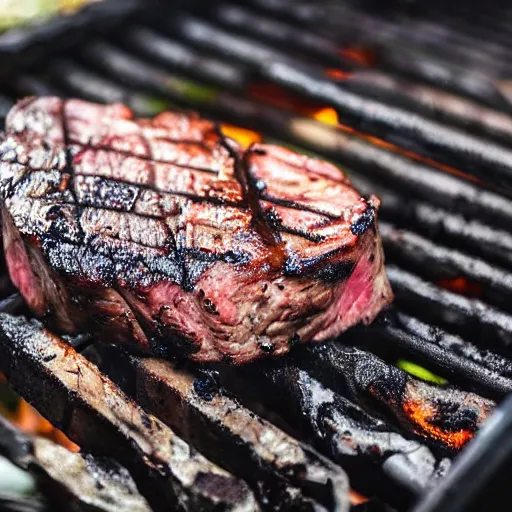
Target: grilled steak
x=164, y=233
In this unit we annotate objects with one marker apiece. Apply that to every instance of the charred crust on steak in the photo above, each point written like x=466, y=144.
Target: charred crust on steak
x=364, y=221
x=135, y=217
x=267, y=346
x=335, y=271
x=206, y=387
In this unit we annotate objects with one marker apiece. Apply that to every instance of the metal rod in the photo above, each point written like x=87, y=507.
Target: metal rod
x=447, y=355
x=437, y=262
x=471, y=318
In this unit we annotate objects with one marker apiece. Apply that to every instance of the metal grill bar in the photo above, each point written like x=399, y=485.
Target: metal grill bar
x=415, y=97
x=438, y=262
x=449, y=356
x=471, y=317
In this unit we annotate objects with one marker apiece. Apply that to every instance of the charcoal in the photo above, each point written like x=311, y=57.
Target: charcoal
x=71, y=480
x=247, y=445
x=378, y=459
x=96, y=415
x=443, y=415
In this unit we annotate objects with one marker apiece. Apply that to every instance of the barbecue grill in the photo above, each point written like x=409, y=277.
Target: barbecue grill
x=414, y=101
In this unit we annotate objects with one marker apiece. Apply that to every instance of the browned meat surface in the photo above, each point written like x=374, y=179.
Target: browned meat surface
x=163, y=233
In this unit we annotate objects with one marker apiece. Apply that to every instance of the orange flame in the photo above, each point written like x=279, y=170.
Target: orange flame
x=28, y=420
x=279, y=97
x=327, y=115
x=243, y=136
x=461, y=285
x=422, y=416
x=356, y=498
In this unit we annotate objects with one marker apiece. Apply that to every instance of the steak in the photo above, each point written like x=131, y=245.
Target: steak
x=166, y=234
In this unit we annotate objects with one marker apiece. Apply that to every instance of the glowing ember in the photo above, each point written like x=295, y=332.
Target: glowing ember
x=281, y=98
x=362, y=56
x=461, y=285
x=28, y=420
x=243, y=136
x=338, y=74
x=423, y=417
x=356, y=498
x=327, y=115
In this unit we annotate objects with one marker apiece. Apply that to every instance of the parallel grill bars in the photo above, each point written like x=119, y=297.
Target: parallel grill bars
x=151, y=67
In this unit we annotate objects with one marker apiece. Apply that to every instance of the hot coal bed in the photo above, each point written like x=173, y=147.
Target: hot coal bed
x=413, y=101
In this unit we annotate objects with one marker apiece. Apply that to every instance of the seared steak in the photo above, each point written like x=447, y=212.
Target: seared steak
x=164, y=233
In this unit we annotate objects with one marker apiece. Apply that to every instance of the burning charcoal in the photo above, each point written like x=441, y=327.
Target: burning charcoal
x=93, y=412
x=72, y=481
x=236, y=438
x=450, y=356
x=470, y=317
x=445, y=416
x=377, y=458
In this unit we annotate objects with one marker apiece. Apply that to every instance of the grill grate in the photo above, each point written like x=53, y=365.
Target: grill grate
x=423, y=130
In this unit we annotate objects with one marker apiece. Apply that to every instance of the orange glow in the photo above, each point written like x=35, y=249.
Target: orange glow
x=327, y=115
x=338, y=74
x=422, y=416
x=461, y=285
x=362, y=56
x=410, y=154
x=281, y=98
x=243, y=136
x=356, y=498
x=28, y=420
x=62, y=439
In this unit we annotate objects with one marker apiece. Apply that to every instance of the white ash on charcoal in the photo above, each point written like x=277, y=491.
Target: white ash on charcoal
x=71, y=481
x=78, y=399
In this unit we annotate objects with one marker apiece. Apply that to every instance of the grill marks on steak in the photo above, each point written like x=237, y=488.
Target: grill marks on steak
x=164, y=232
